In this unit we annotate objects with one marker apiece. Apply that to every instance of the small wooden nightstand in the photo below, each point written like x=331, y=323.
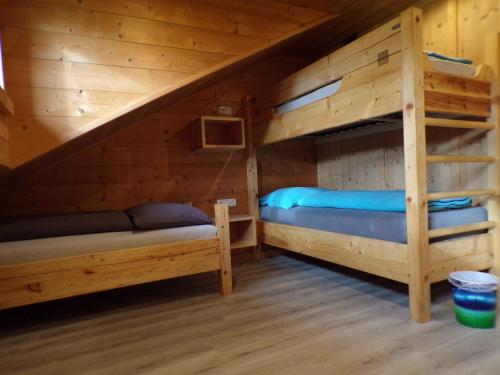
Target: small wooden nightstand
x=242, y=231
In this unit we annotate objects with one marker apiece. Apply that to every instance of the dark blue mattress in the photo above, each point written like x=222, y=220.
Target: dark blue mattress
x=382, y=225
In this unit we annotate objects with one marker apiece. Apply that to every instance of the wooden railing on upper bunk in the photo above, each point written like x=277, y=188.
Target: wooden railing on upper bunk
x=370, y=70
x=456, y=95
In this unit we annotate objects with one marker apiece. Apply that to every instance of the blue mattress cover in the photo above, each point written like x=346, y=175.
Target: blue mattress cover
x=382, y=225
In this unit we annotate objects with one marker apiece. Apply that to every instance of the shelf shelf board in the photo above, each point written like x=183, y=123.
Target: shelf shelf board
x=244, y=217
x=243, y=243
x=218, y=133
x=208, y=148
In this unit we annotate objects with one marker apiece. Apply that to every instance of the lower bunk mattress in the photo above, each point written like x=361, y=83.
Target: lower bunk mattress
x=55, y=247
x=382, y=225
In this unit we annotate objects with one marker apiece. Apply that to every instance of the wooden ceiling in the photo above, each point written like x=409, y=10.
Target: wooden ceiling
x=354, y=17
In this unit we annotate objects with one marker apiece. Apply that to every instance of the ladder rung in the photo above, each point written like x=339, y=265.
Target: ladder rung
x=449, y=231
x=459, y=159
x=447, y=123
x=458, y=194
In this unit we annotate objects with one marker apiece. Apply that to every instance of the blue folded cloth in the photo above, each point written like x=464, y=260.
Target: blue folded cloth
x=440, y=56
x=450, y=203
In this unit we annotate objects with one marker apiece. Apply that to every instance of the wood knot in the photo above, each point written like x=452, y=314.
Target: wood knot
x=88, y=272
x=408, y=199
x=409, y=106
x=417, y=19
x=34, y=287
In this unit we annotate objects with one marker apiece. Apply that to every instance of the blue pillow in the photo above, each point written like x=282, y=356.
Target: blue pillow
x=287, y=197
x=374, y=200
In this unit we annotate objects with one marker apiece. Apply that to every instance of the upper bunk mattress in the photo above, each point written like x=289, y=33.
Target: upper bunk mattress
x=453, y=68
x=55, y=247
x=382, y=225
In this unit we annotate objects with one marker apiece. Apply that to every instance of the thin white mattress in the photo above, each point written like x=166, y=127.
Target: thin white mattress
x=55, y=247
x=313, y=96
x=453, y=68
x=443, y=66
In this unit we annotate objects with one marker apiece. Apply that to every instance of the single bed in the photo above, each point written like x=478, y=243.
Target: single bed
x=44, y=269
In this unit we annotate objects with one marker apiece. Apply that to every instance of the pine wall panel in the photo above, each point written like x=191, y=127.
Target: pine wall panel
x=70, y=62
x=289, y=163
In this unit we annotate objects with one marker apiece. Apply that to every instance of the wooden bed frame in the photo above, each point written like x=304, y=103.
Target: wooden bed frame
x=50, y=279
x=384, y=73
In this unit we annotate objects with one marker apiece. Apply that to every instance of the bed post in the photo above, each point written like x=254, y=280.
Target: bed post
x=415, y=165
x=251, y=163
x=222, y=224
x=492, y=58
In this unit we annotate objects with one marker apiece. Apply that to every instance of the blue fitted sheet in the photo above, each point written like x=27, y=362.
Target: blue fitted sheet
x=382, y=225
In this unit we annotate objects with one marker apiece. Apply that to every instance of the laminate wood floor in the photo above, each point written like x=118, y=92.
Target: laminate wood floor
x=288, y=315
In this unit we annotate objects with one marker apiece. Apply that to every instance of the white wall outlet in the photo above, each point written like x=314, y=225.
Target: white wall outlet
x=224, y=110
x=231, y=202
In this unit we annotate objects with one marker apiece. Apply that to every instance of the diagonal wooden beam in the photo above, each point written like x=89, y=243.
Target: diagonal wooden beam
x=142, y=108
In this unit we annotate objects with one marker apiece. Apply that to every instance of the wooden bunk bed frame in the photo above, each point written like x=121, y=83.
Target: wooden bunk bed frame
x=50, y=279
x=384, y=73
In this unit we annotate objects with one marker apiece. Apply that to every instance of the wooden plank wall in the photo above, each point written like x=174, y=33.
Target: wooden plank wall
x=70, y=62
x=454, y=27
x=150, y=161
x=289, y=163
x=376, y=161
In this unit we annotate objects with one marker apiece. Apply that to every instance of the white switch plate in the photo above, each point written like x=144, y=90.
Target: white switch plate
x=225, y=110
x=231, y=202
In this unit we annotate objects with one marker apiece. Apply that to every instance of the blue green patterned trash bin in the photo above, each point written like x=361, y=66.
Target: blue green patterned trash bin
x=475, y=296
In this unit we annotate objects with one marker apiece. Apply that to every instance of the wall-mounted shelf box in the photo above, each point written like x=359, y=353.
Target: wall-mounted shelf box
x=218, y=133
x=242, y=231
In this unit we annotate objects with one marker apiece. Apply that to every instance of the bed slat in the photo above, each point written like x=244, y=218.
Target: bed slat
x=462, y=124
x=449, y=231
x=460, y=159
x=459, y=194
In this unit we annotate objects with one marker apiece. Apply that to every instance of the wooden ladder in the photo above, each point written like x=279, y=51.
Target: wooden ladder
x=416, y=159
x=491, y=191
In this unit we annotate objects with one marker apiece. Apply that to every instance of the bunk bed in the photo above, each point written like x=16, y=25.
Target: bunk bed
x=35, y=271
x=382, y=77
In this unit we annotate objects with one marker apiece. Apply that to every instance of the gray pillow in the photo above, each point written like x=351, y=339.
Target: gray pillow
x=166, y=215
x=28, y=228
